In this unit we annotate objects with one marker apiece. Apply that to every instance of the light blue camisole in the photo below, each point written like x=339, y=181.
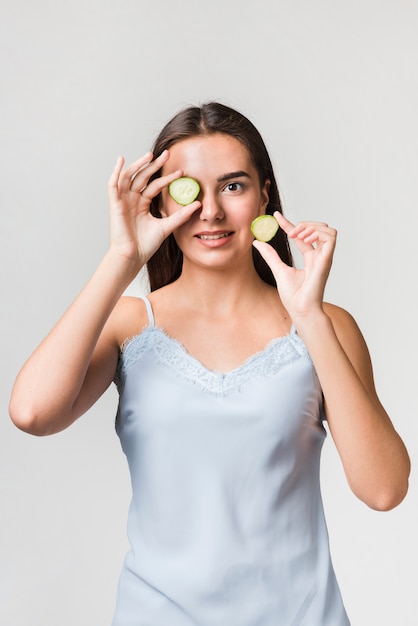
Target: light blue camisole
x=226, y=523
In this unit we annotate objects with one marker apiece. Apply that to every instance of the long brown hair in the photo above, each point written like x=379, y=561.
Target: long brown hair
x=165, y=265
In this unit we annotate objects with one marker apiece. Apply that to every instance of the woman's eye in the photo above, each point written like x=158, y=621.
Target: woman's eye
x=233, y=187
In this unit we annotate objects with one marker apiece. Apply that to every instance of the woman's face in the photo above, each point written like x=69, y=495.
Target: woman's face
x=219, y=232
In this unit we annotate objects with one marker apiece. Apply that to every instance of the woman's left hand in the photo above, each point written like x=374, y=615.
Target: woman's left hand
x=302, y=290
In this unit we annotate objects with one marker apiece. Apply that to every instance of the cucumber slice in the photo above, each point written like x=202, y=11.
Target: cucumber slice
x=264, y=227
x=184, y=190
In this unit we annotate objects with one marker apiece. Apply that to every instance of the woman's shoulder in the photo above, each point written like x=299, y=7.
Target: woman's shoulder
x=342, y=320
x=338, y=315
x=129, y=318
x=347, y=331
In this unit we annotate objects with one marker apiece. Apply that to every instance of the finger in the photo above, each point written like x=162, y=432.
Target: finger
x=132, y=169
x=316, y=234
x=270, y=256
x=158, y=184
x=292, y=231
x=112, y=185
x=180, y=216
x=140, y=176
x=306, y=235
x=284, y=223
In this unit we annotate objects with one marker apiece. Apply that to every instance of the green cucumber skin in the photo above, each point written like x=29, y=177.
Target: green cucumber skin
x=182, y=198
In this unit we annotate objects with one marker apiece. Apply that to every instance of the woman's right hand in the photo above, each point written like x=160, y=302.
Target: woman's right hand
x=135, y=233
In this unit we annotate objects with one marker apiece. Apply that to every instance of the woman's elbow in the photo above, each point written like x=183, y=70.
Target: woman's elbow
x=28, y=419
x=388, y=500
x=390, y=494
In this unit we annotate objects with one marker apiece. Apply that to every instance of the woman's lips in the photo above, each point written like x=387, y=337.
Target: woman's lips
x=211, y=236
x=214, y=239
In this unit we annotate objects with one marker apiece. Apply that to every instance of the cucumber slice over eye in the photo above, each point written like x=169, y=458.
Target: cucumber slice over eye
x=184, y=190
x=264, y=227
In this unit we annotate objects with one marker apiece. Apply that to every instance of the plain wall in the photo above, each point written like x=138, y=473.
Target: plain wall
x=332, y=86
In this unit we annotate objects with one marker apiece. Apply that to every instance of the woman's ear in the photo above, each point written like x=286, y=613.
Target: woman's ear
x=265, y=198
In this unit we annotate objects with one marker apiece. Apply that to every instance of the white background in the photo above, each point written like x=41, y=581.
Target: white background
x=332, y=86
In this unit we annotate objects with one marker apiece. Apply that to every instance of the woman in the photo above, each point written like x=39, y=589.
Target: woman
x=225, y=373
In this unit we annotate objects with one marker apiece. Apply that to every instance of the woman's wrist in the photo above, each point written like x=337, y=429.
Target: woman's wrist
x=122, y=267
x=312, y=322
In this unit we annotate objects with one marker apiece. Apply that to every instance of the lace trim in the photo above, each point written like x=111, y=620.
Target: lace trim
x=173, y=356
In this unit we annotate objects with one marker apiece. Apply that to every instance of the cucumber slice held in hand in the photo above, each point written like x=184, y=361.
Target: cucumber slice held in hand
x=264, y=227
x=184, y=190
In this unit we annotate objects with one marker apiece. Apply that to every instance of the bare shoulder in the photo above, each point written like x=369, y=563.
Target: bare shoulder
x=128, y=319
x=344, y=324
x=351, y=339
x=341, y=319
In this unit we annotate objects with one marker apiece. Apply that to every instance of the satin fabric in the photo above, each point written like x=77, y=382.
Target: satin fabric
x=226, y=524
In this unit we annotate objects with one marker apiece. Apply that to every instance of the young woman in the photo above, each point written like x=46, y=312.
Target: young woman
x=226, y=372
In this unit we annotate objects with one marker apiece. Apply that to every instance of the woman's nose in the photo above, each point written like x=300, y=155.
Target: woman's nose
x=211, y=208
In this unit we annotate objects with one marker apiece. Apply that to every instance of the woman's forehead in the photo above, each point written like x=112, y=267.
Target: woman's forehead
x=212, y=154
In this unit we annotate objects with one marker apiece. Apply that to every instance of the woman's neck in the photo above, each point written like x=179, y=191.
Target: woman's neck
x=226, y=289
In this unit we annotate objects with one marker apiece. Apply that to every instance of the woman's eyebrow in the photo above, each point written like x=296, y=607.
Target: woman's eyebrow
x=238, y=174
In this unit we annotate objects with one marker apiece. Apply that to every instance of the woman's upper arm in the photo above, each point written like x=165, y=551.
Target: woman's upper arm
x=127, y=320
x=355, y=347
x=100, y=372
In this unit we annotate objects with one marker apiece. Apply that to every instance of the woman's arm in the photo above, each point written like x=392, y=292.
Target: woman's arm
x=374, y=457
x=76, y=362
x=71, y=368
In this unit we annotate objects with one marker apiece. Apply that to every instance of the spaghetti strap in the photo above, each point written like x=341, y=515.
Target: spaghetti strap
x=149, y=310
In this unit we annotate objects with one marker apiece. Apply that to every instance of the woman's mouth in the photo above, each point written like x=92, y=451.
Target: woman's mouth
x=213, y=236
x=216, y=239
